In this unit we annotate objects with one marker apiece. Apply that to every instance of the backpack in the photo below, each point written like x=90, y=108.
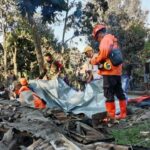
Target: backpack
x=116, y=57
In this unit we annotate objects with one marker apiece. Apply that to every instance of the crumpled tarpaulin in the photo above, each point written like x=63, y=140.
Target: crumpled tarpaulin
x=139, y=99
x=142, y=101
x=58, y=94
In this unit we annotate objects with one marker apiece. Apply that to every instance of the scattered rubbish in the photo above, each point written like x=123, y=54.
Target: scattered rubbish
x=23, y=127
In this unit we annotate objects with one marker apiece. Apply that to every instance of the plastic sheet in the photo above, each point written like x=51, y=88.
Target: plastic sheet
x=58, y=94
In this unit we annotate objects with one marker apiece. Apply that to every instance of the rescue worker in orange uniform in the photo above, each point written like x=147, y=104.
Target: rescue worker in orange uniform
x=111, y=78
x=38, y=102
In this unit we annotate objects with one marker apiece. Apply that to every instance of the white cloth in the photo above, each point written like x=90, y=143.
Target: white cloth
x=89, y=67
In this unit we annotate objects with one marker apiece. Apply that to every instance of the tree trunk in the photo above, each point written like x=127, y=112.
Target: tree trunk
x=37, y=42
x=64, y=30
x=15, y=61
x=5, y=53
x=4, y=45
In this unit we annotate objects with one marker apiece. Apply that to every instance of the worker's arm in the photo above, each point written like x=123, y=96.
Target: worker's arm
x=104, y=49
x=90, y=76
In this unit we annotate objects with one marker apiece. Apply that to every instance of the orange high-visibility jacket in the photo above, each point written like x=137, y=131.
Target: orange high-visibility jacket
x=107, y=43
x=23, y=88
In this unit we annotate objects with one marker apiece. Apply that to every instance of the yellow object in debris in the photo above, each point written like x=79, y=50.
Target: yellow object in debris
x=107, y=66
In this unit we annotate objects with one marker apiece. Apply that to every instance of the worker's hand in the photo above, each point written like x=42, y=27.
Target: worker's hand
x=89, y=76
x=92, y=61
x=100, y=66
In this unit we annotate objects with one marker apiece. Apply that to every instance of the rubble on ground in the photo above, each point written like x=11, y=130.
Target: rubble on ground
x=22, y=127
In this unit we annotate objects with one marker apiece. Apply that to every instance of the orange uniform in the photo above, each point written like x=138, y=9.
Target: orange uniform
x=38, y=103
x=107, y=43
x=23, y=88
x=111, y=78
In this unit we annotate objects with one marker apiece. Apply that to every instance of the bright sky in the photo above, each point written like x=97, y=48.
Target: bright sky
x=76, y=41
x=146, y=6
x=81, y=44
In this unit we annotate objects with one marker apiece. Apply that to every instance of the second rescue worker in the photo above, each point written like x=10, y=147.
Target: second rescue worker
x=111, y=78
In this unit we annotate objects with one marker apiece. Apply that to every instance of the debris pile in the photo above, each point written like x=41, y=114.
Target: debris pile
x=22, y=127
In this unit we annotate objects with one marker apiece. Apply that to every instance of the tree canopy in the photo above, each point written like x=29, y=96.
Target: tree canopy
x=49, y=8
x=26, y=26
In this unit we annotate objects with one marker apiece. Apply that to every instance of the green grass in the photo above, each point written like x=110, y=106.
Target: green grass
x=132, y=136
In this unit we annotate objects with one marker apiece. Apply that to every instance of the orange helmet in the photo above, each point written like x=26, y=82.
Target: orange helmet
x=97, y=28
x=23, y=81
